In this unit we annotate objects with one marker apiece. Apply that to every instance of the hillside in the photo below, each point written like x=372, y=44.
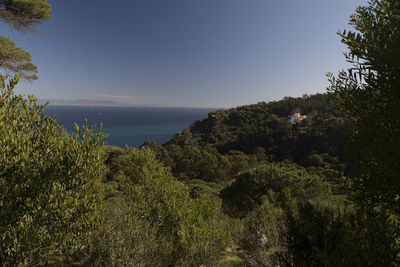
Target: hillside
x=236, y=139
x=276, y=181
x=265, y=127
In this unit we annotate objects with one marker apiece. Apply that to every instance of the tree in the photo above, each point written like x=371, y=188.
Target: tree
x=156, y=222
x=15, y=60
x=23, y=15
x=50, y=189
x=280, y=183
x=369, y=95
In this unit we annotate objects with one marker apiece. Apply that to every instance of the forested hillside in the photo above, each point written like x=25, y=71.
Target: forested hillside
x=265, y=126
x=276, y=179
x=232, y=140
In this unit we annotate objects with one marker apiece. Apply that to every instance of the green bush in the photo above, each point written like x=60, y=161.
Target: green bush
x=278, y=182
x=262, y=236
x=157, y=223
x=49, y=183
x=317, y=234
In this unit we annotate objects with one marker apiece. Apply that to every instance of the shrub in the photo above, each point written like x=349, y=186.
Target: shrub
x=156, y=222
x=49, y=183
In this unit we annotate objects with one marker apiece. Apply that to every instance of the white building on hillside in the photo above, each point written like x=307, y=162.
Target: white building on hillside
x=296, y=117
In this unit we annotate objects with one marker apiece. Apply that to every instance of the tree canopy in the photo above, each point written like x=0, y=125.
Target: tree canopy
x=14, y=59
x=22, y=15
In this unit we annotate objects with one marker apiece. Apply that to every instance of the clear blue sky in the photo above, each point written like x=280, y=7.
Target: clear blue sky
x=190, y=53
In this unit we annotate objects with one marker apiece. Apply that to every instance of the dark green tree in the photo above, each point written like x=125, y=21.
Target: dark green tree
x=280, y=183
x=320, y=234
x=22, y=15
x=369, y=95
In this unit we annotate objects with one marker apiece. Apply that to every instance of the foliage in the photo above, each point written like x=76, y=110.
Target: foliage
x=261, y=239
x=49, y=183
x=188, y=162
x=280, y=183
x=263, y=129
x=159, y=223
x=229, y=141
x=292, y=219
x=15, y=60
x=320, y=235
x=23, y=15
x=126, y=240
x=115, y=158
x=368, y=94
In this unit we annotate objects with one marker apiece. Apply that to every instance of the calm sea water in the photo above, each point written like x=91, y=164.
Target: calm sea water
x=130, y=125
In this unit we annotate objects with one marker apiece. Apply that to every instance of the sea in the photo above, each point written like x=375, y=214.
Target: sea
x=130, y=126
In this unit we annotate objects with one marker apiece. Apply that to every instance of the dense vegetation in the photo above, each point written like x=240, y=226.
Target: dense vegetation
x=283, y=185
x=368, y=94
x=53, y=208
x=232, y=140
x=243, y=187
x=50, y=183
x=151, y=219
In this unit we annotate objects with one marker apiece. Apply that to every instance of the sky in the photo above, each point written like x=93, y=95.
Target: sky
x=186, y=53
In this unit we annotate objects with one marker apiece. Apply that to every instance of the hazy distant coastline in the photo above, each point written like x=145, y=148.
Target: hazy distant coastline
x=90, y=102
x=109, y=103
x=129, y=125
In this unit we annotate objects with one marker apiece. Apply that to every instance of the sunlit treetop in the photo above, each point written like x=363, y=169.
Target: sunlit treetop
x=23, y=15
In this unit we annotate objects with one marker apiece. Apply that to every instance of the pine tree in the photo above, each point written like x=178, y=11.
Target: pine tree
x=22, y=15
